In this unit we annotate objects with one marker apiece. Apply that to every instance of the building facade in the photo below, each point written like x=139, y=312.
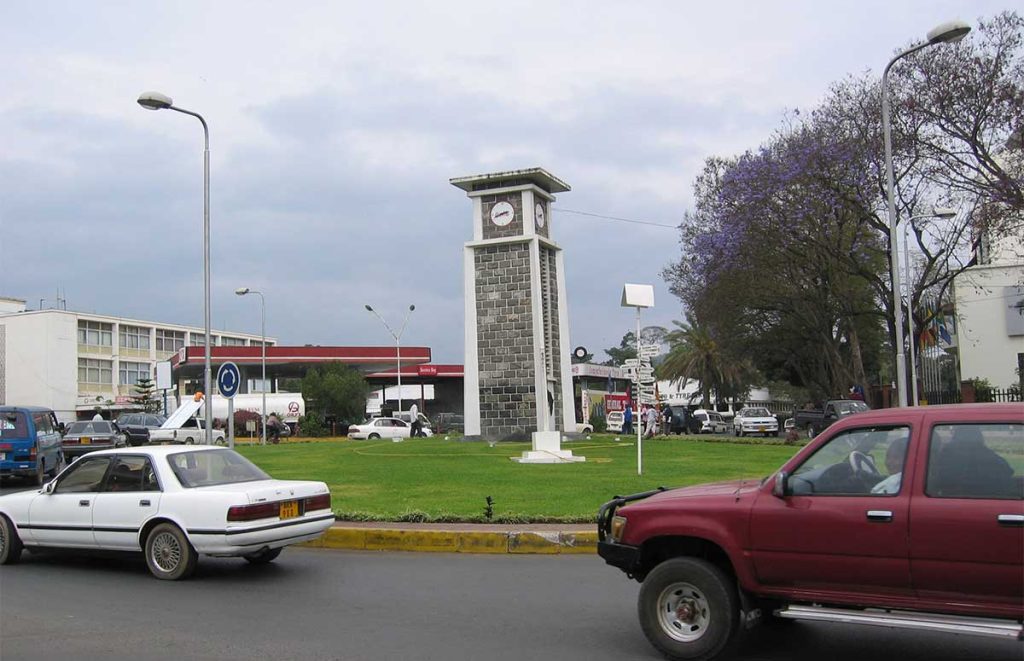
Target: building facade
x=75, y=362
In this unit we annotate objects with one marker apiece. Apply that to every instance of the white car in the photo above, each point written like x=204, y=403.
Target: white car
x=172, y=503
x=383, y=428
x=755, y=420
x=614, y=420
x=711, y=422
x=191, y=431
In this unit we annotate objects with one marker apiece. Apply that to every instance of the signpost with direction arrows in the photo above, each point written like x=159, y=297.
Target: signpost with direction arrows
x=228, y=380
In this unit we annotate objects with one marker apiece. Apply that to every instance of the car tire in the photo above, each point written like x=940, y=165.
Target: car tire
x=373, y=437
x=264, y=557
x=169, y=554
x=810, y=431
x=10, y=543
x=190, y=441
x=39, y=479
x=689, y=609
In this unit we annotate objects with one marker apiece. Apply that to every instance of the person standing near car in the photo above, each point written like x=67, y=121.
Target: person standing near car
x=414, y=421
x=627, y=419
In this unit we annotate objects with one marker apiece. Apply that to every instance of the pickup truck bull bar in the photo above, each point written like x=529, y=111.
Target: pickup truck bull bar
x=607, y=511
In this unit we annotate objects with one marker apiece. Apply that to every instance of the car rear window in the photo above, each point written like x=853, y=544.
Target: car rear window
x=94, y=427
x=976, y=460
x=13, y=425
x=204, y=468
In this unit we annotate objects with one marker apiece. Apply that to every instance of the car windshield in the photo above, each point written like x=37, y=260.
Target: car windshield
x=92, y=427
x=204, y=468
x=757, y=413
x=13, y=425
x=845, y=408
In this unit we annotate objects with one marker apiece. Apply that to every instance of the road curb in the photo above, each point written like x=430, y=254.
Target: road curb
x=456, y=541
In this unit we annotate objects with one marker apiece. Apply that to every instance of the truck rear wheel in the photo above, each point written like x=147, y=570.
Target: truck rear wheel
x=689, y=609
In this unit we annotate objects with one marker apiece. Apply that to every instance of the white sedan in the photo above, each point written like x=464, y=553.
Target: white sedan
x=171, y=503
x=755, y=420
x=384, y=428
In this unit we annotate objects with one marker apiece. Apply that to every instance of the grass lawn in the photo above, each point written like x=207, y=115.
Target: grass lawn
x=432, y=479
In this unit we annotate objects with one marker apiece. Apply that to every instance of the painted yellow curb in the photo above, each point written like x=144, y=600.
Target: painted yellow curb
x=439, y=541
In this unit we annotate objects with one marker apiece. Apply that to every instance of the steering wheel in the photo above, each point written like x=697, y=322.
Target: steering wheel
x=863, y=465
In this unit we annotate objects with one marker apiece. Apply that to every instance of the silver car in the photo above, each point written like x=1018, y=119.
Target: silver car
x=87, y=436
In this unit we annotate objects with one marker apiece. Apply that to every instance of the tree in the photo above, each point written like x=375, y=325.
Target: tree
x=145, y=396
x=695, y=354
x=617, y=356
x=334, y=392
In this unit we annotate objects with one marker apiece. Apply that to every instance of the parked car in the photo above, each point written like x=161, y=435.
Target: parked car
x=406, y=417
x=91, y=435
x=815, y=421
x=709, y=422
x=383, y=428
x=30, y=443
x=191, y=431
x=136, y=426
x=614, y=420
x=171, y=503
x=679, y=420
x=445, y=423
x=908, y=518
x=755, y=420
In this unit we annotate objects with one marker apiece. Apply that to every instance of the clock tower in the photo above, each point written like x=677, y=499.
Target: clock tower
x=518, y=378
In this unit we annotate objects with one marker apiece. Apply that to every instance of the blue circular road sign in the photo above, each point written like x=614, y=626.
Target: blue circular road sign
x=228, y=379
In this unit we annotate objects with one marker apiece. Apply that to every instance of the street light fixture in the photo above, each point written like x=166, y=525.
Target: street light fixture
x=242, y=291
x=158, y=101
x=398, y=347
x=946, y=33
x=937, y=212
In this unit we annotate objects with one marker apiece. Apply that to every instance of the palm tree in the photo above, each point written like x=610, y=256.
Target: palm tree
x=694, y=353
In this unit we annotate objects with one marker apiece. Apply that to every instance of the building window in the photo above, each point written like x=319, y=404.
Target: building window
x=95, y=333
x=199, y=339
x=169, y=341
x=130, y=373
x=232, y=342
x=133, y=337
x=91, y=370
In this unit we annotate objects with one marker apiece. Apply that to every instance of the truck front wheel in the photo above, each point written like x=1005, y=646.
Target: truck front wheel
x=689, y=609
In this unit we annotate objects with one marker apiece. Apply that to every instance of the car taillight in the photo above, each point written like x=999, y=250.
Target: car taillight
x=321, y=502
x=253, y=512
x=353, y=429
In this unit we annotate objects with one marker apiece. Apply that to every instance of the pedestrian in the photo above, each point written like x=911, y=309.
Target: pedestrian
x=666, y=420
x=652, y=422
x=273, y=429
x=414, y=421
x=627, y=419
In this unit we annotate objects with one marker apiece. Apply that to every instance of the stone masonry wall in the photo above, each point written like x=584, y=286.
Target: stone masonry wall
x=505, y=341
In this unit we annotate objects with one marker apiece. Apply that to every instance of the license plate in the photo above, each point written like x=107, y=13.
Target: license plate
x=86, y=440
x=761, y=428
x=289, y=509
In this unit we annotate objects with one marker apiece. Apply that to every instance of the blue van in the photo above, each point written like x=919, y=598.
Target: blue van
x=30, y=443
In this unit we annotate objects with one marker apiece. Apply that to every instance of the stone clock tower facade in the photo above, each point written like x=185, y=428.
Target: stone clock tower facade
x=517, y=373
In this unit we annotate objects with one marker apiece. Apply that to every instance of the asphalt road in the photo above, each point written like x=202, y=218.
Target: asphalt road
x=323, y=604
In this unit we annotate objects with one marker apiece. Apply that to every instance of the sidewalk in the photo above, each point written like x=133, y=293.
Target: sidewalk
x=544, y=538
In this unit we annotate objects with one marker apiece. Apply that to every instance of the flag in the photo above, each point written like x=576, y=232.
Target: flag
x=943, y=332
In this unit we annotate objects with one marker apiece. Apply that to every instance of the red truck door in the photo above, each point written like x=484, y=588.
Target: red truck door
x=834, y=534
x=967, y=523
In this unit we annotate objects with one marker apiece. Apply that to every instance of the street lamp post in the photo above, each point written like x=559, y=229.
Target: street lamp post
x=242, y=291
x=158, y=101
x=937, y=212
x=947, y=32
x=398, y=346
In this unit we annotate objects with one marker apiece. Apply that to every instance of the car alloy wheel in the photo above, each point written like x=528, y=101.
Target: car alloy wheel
x=168, y=553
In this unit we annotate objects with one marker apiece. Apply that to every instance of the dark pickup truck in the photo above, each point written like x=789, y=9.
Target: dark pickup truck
x=815, y=421
x=909, y=518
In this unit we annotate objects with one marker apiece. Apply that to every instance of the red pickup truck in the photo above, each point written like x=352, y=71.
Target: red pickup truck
x=908, y=518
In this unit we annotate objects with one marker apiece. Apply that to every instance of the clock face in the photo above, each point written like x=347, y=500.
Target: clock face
x=502, y=214
x=538, y=213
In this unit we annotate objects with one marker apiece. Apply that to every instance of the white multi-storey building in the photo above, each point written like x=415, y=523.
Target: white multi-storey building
x=76, y=362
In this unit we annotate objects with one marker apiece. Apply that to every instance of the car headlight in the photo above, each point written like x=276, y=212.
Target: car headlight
x=618, y=527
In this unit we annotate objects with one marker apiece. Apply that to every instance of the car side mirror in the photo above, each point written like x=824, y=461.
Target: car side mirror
x=48, y=487
x=781, y=487
x=61, y=427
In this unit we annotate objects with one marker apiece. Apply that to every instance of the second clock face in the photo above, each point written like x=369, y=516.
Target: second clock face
x=502, y=214
x=538, y=213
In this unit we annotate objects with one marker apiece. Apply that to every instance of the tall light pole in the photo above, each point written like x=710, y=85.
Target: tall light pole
x=158, y=101
x=242, y=291
x=937, y=212
x=398, y=346
x=947, y=32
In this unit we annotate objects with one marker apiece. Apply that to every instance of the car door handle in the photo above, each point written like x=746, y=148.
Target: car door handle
x=144, y=502
x=879, y=515
x=1011, y=520
x=84, y=503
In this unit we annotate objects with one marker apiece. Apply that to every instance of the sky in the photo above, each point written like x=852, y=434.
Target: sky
x=335, y=127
